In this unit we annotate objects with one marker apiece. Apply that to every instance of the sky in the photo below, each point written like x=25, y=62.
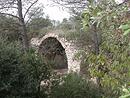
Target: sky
x=56, y=13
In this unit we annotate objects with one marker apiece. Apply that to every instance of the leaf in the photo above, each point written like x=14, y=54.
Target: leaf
x=125, y=96
x=90, y=1
x=126, y=32
x=125, y=90
x=124, y=27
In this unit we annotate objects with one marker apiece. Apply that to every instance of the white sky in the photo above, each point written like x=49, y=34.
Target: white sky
x=56, y=13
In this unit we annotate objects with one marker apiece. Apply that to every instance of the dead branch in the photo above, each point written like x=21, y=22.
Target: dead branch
x=9, y=15
x=29, y=8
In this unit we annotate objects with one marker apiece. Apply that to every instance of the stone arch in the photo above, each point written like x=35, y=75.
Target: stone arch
x=54, y=53
x=70, y=50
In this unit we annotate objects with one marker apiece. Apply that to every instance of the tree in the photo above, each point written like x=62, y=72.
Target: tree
x=110, y=62
x=9, y=28
x=21, y=74
x=36, y=24
x=18, y=10
x=77, y=5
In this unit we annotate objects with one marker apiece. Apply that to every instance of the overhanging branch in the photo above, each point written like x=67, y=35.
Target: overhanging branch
x=31, y=16
x=125, y=1
x=9, y=15
x=8, y=8
x=29, y=8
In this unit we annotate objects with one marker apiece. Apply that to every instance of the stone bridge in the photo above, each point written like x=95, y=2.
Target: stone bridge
x=55, y=47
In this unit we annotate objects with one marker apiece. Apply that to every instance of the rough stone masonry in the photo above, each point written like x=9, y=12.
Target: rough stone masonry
x=70, y=50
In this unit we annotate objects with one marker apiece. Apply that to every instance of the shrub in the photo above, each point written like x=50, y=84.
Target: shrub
x=125, y=92
x=20, y=74
x=74, y=86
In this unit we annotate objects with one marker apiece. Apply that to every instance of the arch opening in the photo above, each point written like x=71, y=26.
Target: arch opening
x=53, y=53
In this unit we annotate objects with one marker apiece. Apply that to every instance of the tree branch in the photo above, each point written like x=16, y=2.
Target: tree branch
x=7, y=3
x=7, y=8
x=29, y=8
x=9, y=15
x=78, y=5
x=31, y=17
x=125, y=1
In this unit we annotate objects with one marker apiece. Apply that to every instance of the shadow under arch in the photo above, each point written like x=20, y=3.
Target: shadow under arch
x=53, y=53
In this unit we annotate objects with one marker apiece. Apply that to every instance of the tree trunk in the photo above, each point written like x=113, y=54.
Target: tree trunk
x=96, y=39
x=25, y=41
x=97, y=42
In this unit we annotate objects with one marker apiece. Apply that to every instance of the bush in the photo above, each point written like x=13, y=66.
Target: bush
x=125, y=92
x=20, y=74
x=74, y=86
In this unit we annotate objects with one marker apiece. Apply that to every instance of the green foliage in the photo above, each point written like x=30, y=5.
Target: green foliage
x=74, y=86
x=73, y=24
x=9, y=28
x=126, y=92
x=105, y=13
x=111, y=66
x=71, y=30
x=125, y=28
x=39, y=25
x=20, y=74
x=65, y=25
